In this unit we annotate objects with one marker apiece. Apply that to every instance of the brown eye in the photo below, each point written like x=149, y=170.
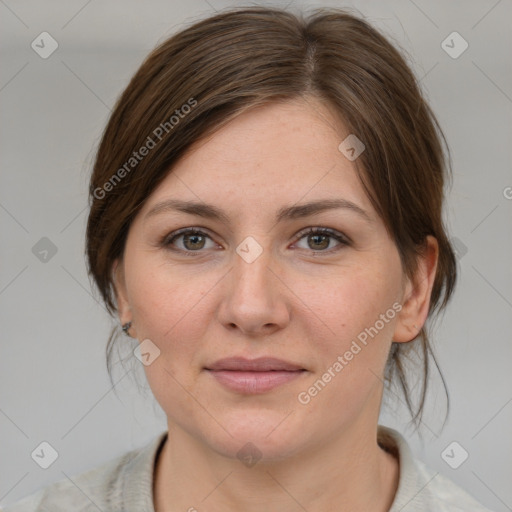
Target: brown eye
x=193, y=242
x=318, y=241
x=323, y=240
x=188, y=241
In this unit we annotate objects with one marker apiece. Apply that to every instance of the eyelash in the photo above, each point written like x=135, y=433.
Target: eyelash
x=167, y=241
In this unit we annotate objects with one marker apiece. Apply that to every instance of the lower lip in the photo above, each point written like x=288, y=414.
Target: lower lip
x=254, y=382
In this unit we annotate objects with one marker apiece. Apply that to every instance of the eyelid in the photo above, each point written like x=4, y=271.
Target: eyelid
x=324, y=231
x=168, y=238
x=182, y=231
x=341, y=238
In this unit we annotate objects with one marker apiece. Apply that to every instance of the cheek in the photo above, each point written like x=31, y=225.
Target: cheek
x=168, y=308
x=348, y=336
x=352, y=349
x=172, y=310
x=165, y=301
x=349, y=302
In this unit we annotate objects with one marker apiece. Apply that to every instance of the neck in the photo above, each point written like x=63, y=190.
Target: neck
x=348, y=472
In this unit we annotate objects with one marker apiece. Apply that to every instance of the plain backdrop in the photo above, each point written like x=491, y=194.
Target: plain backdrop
x=53, y=381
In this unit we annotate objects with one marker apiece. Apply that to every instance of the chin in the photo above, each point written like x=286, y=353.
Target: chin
x=261, y=436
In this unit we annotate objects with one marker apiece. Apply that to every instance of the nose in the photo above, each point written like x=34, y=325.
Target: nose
x=254, y=299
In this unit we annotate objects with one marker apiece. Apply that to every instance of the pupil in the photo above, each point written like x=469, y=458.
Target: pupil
x=194, y=240
x=317, y=240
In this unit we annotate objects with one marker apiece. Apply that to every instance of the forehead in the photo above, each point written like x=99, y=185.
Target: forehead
x=271, y=155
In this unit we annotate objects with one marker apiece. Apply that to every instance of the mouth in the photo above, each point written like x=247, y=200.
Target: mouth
x=253, y=376
x=261, y=364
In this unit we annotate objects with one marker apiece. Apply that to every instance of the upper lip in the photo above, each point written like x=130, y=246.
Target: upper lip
x=261, y=364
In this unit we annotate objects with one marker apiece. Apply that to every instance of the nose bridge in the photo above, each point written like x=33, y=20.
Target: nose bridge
x=253, y=299
x=251, y=274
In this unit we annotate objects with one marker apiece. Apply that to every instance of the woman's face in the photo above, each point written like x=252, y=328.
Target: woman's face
x=253, y=283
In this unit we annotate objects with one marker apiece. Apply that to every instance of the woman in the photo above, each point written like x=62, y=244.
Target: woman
x=266, y=223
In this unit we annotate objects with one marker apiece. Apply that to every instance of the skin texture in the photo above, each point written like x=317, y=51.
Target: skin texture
x=300, y=300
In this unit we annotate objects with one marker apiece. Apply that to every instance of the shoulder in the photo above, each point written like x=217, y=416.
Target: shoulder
x=126, y=479
x=420, y=489
x=444, y=494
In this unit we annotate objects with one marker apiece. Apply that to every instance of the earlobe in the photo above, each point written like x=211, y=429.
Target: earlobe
x=417, y=293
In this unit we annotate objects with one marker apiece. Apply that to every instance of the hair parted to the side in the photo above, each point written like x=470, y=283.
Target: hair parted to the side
x=246, y=57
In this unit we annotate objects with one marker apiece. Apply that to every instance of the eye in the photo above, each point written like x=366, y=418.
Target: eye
x=193, y=240
x=319, y=240
x=188, y=240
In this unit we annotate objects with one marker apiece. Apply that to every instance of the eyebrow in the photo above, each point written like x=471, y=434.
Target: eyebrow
x=209, y=211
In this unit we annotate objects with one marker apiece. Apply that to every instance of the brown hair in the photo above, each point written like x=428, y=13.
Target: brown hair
x=202, y=77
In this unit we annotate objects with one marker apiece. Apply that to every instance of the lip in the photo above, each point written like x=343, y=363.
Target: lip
x=260, y=364
x=252, y=376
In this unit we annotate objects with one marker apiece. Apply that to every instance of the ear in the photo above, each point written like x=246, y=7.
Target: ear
x=417, y=292
x=123, y=306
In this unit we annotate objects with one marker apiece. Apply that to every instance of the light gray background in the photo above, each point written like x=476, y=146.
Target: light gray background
x=54, y=386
